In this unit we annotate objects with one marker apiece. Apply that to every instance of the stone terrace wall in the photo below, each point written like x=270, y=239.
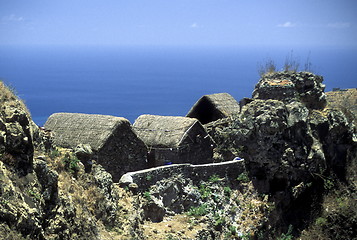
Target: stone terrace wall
x=148, y=177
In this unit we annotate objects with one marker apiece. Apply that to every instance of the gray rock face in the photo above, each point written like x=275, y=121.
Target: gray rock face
x=285, y=143
x=16, y=137
x=290, y=143
x=292, y=86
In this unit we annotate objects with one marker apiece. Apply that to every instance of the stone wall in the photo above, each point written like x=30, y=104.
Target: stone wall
x=145, y=178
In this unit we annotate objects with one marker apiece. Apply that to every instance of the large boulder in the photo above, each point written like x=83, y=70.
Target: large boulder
x=292, y=86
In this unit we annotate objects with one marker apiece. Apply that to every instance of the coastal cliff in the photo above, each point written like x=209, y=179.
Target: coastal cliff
x=294, y=176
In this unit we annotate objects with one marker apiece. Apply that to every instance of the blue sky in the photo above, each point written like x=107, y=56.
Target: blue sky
x=180, y=22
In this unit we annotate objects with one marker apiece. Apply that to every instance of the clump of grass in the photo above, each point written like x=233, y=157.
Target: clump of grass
x=308, y=64
x=291, y=63
x=268, y=67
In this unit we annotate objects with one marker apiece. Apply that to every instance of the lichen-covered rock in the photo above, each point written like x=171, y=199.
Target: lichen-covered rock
x=16, y=137
x=290, y=142
x=292, y=86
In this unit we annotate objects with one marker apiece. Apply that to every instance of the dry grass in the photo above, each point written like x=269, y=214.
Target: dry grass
x=291, y=64
x=8, y=96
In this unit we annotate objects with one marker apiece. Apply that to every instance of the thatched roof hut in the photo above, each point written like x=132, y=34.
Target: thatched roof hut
x=115, y=145
x=174, y=139
x=212, y=107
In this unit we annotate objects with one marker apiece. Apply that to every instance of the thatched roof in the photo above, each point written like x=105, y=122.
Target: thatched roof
x=72, y=129
x=163, y=131
x=213, y=107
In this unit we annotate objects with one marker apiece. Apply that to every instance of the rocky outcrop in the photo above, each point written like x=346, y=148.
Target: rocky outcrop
x=303, y=87
x=16, y=137
x=290, y=143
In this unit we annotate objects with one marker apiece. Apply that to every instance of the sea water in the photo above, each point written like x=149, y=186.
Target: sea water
x=130, y=81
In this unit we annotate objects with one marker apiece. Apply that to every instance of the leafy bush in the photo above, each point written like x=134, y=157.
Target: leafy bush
x=288, y=235
x=54, y=153
x=243, y=177
x=198, y=211
x=214, y=178
x=227, y=191
x=205, y=191
x=71, y=163
x=147, y=195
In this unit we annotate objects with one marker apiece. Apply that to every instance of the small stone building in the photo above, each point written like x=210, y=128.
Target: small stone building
x=115, y=145
x=212, y=107
x=174, y=140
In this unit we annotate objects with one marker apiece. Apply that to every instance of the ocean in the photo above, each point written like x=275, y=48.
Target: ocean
x=130, y=81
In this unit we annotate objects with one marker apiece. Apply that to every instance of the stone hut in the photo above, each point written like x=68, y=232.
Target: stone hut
x=212, y=107
x=115, y=145
x=174, y=140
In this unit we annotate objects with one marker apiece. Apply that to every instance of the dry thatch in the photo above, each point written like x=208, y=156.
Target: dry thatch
x=112, y=139
x=73, y=129
x=163, y=131
x=212, y=107
x=174, y=139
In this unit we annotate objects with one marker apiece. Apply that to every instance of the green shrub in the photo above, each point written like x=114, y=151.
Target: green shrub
x=243, y=177
x=214, y=178
x=321, y=221
x=71, y=163
x=198, y=211
x=54, y=153
x=205, y=191
x=227, y=191
x=219, y=221
x=147, y=195
x=288, y=235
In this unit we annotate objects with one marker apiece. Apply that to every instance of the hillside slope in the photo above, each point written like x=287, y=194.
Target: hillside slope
x=298, y=178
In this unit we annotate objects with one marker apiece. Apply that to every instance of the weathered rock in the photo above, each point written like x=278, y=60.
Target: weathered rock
x=84, y=153
x=104, y=182
x=16, y=135
x=289, y=142
x=154, y=210
x=49, y=181
x=292, y=86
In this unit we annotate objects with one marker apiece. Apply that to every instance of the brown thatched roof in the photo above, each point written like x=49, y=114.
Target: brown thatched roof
x=163, y=131
x=71, y=129
x=213, y=107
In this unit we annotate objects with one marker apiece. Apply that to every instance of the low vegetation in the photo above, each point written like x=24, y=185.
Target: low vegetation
x=291, y=64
